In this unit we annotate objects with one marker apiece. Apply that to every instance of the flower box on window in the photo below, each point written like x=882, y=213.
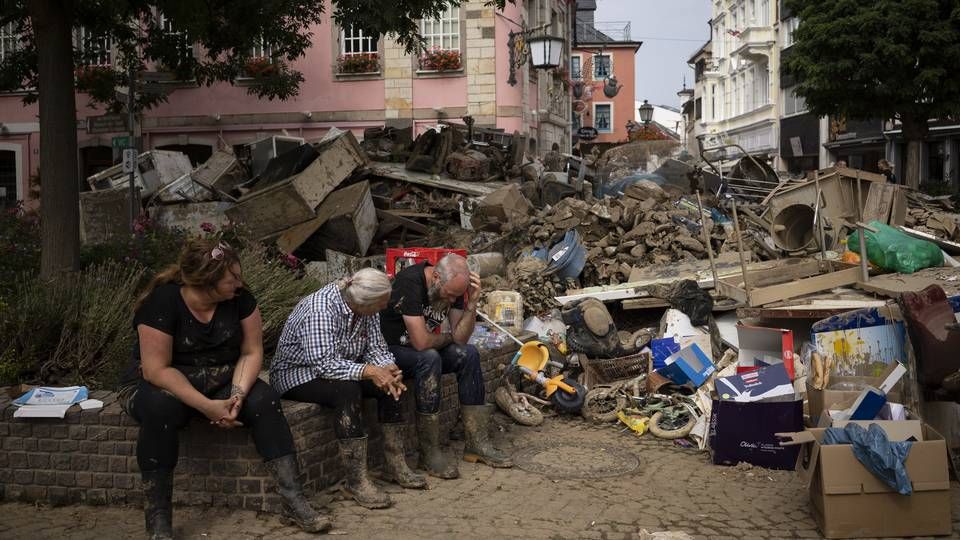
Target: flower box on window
x=358, y=63
x=437, y=59
x=259, y=66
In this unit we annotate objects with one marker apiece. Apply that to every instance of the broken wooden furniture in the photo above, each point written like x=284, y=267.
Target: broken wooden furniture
x=346, y=221
x=789, y=281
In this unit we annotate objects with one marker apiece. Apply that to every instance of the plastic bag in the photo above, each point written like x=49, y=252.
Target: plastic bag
x=893, y=250
x=885, y=459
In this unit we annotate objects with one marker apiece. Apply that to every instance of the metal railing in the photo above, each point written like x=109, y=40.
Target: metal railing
x=603, y=31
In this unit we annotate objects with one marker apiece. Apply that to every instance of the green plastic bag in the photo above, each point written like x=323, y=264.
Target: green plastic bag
x=893, y=250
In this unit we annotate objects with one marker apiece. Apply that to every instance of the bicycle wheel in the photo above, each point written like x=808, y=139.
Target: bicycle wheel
x=601, y=405
x=669, y=429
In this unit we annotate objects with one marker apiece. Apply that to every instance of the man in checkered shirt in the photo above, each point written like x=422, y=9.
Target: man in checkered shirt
x=331, y=352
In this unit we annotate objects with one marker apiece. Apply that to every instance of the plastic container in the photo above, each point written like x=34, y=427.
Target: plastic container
x=506, y=309
x=568, y=257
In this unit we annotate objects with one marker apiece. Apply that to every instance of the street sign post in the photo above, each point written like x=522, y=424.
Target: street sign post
x=129, y=160
x=120, y=142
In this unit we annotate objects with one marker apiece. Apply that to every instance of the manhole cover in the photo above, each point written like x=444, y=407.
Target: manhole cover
x=576, y=461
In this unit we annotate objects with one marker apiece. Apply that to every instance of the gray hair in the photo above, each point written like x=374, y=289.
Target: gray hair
x=450, y=266
x=366, y=287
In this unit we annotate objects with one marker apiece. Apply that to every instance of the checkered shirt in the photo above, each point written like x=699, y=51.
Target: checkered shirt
x=323, y=338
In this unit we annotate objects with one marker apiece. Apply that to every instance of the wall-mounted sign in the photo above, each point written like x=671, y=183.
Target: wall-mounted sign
x=587, y=133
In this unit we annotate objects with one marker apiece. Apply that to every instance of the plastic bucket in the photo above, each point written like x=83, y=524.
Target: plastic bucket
x=568, y=257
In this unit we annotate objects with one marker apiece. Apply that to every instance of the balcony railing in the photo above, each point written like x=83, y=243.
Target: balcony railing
x=603, y=32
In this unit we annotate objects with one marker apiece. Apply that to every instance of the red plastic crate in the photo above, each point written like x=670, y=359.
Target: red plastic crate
x=405, y=257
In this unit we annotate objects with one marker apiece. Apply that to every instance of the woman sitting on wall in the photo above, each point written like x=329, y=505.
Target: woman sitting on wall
x=199, y=350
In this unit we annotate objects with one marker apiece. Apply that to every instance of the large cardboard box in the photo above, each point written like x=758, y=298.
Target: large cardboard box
x=760, y=346
x=821, y=400
x=746, y=432
x=848, y=501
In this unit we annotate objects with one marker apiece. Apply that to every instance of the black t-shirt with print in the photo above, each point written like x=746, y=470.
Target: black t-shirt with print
x=410, y=296
x=195, y=344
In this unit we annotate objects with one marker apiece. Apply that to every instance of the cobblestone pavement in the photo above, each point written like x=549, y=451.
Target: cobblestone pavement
x=669, y=489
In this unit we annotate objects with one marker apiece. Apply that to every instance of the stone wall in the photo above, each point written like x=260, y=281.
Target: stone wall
x=90, y=456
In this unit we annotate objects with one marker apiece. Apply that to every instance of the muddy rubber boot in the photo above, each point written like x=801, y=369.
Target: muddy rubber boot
x=432, y=458
x=395, y=467
x=296, y=509
x=158, y=504
x=476, y=422
x=359, y=486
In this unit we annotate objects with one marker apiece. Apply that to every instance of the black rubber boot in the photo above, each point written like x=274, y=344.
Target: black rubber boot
x=359, y=486
x=395, y=467
x=296, y=508
x=432, y=458
x=158, y=504
x=476, y=424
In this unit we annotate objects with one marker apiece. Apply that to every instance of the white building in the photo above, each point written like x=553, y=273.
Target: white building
x=739, y=85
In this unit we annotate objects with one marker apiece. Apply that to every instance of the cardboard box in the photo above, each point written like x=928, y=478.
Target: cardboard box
x=745, y=432
x=821, y=400
x=689, y=364
x=848, y=501
x=761, y=347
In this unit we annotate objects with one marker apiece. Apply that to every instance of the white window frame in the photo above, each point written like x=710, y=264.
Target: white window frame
x=593, y=73
x=764, y=17
x=612, y=127
x=105, y=46
x=579, y=58
x=366, y=44
x=9, y=35
x=435, y=35
x=789, y=28
x=761, y=86
x=17, y=150
x=793, y=105
x=168, y=28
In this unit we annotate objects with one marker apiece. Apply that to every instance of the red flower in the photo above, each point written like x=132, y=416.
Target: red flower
x=207, y=227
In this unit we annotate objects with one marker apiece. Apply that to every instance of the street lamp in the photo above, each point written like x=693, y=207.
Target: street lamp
x=545, y=51
x=646, y=113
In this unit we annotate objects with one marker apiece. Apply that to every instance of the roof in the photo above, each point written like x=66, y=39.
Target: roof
x=706, y=49
x=586, y=5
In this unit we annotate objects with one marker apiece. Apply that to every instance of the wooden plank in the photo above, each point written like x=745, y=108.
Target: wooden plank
x=952, y=248
x=765, y=295
x=397, y=172
x=879, y=203
x=388, y=217
x=898, y=214
x=893, y=285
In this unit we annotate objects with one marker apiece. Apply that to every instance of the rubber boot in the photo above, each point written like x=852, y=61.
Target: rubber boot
x=158, y=504
x=296, y=509
x=395, y=467
x=432, y=458
x=359, y=486
x=476, y=422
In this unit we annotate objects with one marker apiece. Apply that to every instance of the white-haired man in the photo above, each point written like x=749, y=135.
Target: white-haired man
x=423, y=298
x=331, y=352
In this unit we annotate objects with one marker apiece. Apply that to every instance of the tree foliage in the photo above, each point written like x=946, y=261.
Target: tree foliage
x=207, y=41
x=870, y=58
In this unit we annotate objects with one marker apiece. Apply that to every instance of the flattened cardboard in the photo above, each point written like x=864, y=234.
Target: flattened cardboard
x=848, y=501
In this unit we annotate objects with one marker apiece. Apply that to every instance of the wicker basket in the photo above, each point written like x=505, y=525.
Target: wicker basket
x=607, y=370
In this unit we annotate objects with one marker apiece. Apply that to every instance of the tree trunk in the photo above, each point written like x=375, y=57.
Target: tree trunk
x=914, y=132
x=52, y=23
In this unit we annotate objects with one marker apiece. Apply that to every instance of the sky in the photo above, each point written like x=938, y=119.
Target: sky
x=671, y=31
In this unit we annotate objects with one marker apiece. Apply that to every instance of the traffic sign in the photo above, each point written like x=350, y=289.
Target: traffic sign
x=129, y=159
x=120, y=142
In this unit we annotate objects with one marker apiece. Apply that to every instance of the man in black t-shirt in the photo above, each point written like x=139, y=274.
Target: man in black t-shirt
x=424, y=298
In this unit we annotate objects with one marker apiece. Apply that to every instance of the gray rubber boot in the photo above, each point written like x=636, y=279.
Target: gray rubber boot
x=158, y=504
x=359, y=486
x=476, y=423
x=296, y=509
x=432, y=458
x=395, y=467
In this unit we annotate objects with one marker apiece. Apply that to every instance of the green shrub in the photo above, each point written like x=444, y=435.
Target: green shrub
x=19, y=247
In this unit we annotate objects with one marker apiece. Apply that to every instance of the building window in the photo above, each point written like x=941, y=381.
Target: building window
x=698, y=108
x=575, y=121
x=792, y=103
x=789, y=28
x=763, y=17
x=8, y=178
x=713, y=102
x=9, y=40
x=602, y=66
x=603, y=117
x=576, y=68
x=184, y=44
x=262, y=49
x=761, y=86
x=353, y=41
x=95, y=49
x=442, y=33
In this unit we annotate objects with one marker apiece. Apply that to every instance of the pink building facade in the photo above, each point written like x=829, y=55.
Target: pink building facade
x=400, y=91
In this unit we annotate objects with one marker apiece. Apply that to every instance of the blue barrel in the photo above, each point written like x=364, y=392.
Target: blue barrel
x=567, y=258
